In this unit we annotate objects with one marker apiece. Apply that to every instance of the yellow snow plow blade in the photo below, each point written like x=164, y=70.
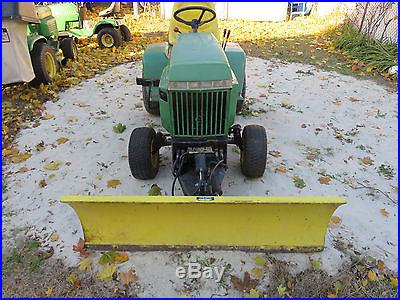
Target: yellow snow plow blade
x=162, y=222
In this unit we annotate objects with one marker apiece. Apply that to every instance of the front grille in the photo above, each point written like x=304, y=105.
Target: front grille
x=52, y=25
x=199, y=113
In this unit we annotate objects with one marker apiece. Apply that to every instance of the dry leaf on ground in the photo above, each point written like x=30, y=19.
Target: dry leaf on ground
x=53, y=166
x=113, y=183
x=128, y=277
x=384, y=212
x=62, y=140
x=85, y=264
x=107, y=272
x=257, y=273
x=244, y=285
x=334, y=221
x=324, y=180
x=367, y=161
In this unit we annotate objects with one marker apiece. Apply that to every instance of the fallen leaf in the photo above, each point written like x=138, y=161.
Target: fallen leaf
x=80, y=247
x=364, y=282
x=128, y=277
x=47, y=117
x=23, y=169
x=281, y=290
x=107, y=258
x=334, y=221
x=47, y=253
x=394, y=282
x=121, y=257
x=119, y=128
x=355, y=68
x=52, y=176
x=257, y=273
x=331, y=296
x=274, y=153
x=20, y=158
x=252, y=294
x=72, y=120
x=113, y=183
x=281, y=169
x=54, y=237
x=261, y=85
x=372, y=276
x=260, y=260
x=381, y=265
x=244, y=285
x=42, y=183
x=49, y=292
x=62, y=140
x=316, y=264
x=80, y=104
x=298, y=182
x=107, y=272
x=324, y=180
x=154, y=190
x=9, y=152
x=53, y=166
x=367, y=161
x=85, y=265
x=40, y=147
x=71, y=278
x=384, y=212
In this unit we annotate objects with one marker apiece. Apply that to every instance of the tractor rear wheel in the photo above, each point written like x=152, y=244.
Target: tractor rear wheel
x=44, y=63
x=69, y=50
x=143, y=154
x=253, y=156
x=109, y=37
x=126, y=34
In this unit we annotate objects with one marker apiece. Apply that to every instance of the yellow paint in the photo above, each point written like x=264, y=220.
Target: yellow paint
x=261, y=222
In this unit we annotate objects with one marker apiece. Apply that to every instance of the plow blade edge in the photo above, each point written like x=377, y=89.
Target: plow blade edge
x=162, y=222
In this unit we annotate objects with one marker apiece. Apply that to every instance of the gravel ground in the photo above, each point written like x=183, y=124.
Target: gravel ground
x=335, y=132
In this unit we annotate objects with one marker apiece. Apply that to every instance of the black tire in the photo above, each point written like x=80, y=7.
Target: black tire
x=69, y=49
x=40, y=52
x=143, y=163
x=152, y=108
x=125, y=32
x=253, y=157
x=239, y=104
x=109, y=32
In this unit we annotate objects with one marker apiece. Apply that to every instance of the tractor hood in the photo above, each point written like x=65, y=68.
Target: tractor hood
x=197, y=56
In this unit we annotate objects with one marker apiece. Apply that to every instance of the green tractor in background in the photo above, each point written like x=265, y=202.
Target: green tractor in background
x=111, y=31
x=44, y=43
x=197, y=85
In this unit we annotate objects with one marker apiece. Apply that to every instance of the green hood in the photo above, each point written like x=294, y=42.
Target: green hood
x=197, y=56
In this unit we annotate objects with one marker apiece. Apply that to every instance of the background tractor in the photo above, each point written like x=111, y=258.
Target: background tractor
x=197, y=85
x=42, y=38
x=111, y=31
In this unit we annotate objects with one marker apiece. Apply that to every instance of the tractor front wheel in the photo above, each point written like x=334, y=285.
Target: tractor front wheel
x=69, y=50
x=143, y=154
x=126, y=34
x=109, y=37
x=44, y=63
x=253, y=156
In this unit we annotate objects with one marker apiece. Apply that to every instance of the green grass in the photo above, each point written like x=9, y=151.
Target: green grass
x=377, y=55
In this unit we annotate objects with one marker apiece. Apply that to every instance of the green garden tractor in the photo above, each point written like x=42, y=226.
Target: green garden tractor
x=111, y=31
x=197, y=85
x=44, y=43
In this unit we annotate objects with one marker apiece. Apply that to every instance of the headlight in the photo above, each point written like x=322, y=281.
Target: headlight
x=199, y=85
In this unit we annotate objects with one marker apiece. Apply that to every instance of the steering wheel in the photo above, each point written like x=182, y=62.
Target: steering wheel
x=195, y=23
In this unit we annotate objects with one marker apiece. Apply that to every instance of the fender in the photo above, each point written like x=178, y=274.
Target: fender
x=33, y=38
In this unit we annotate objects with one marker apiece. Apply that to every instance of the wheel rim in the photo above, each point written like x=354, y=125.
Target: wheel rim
x=50, y=64
x=107, y=40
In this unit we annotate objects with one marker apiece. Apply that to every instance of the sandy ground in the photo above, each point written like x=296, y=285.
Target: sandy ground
x=317, y=123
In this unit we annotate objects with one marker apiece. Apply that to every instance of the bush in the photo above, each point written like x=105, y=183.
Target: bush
x=378, y=55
